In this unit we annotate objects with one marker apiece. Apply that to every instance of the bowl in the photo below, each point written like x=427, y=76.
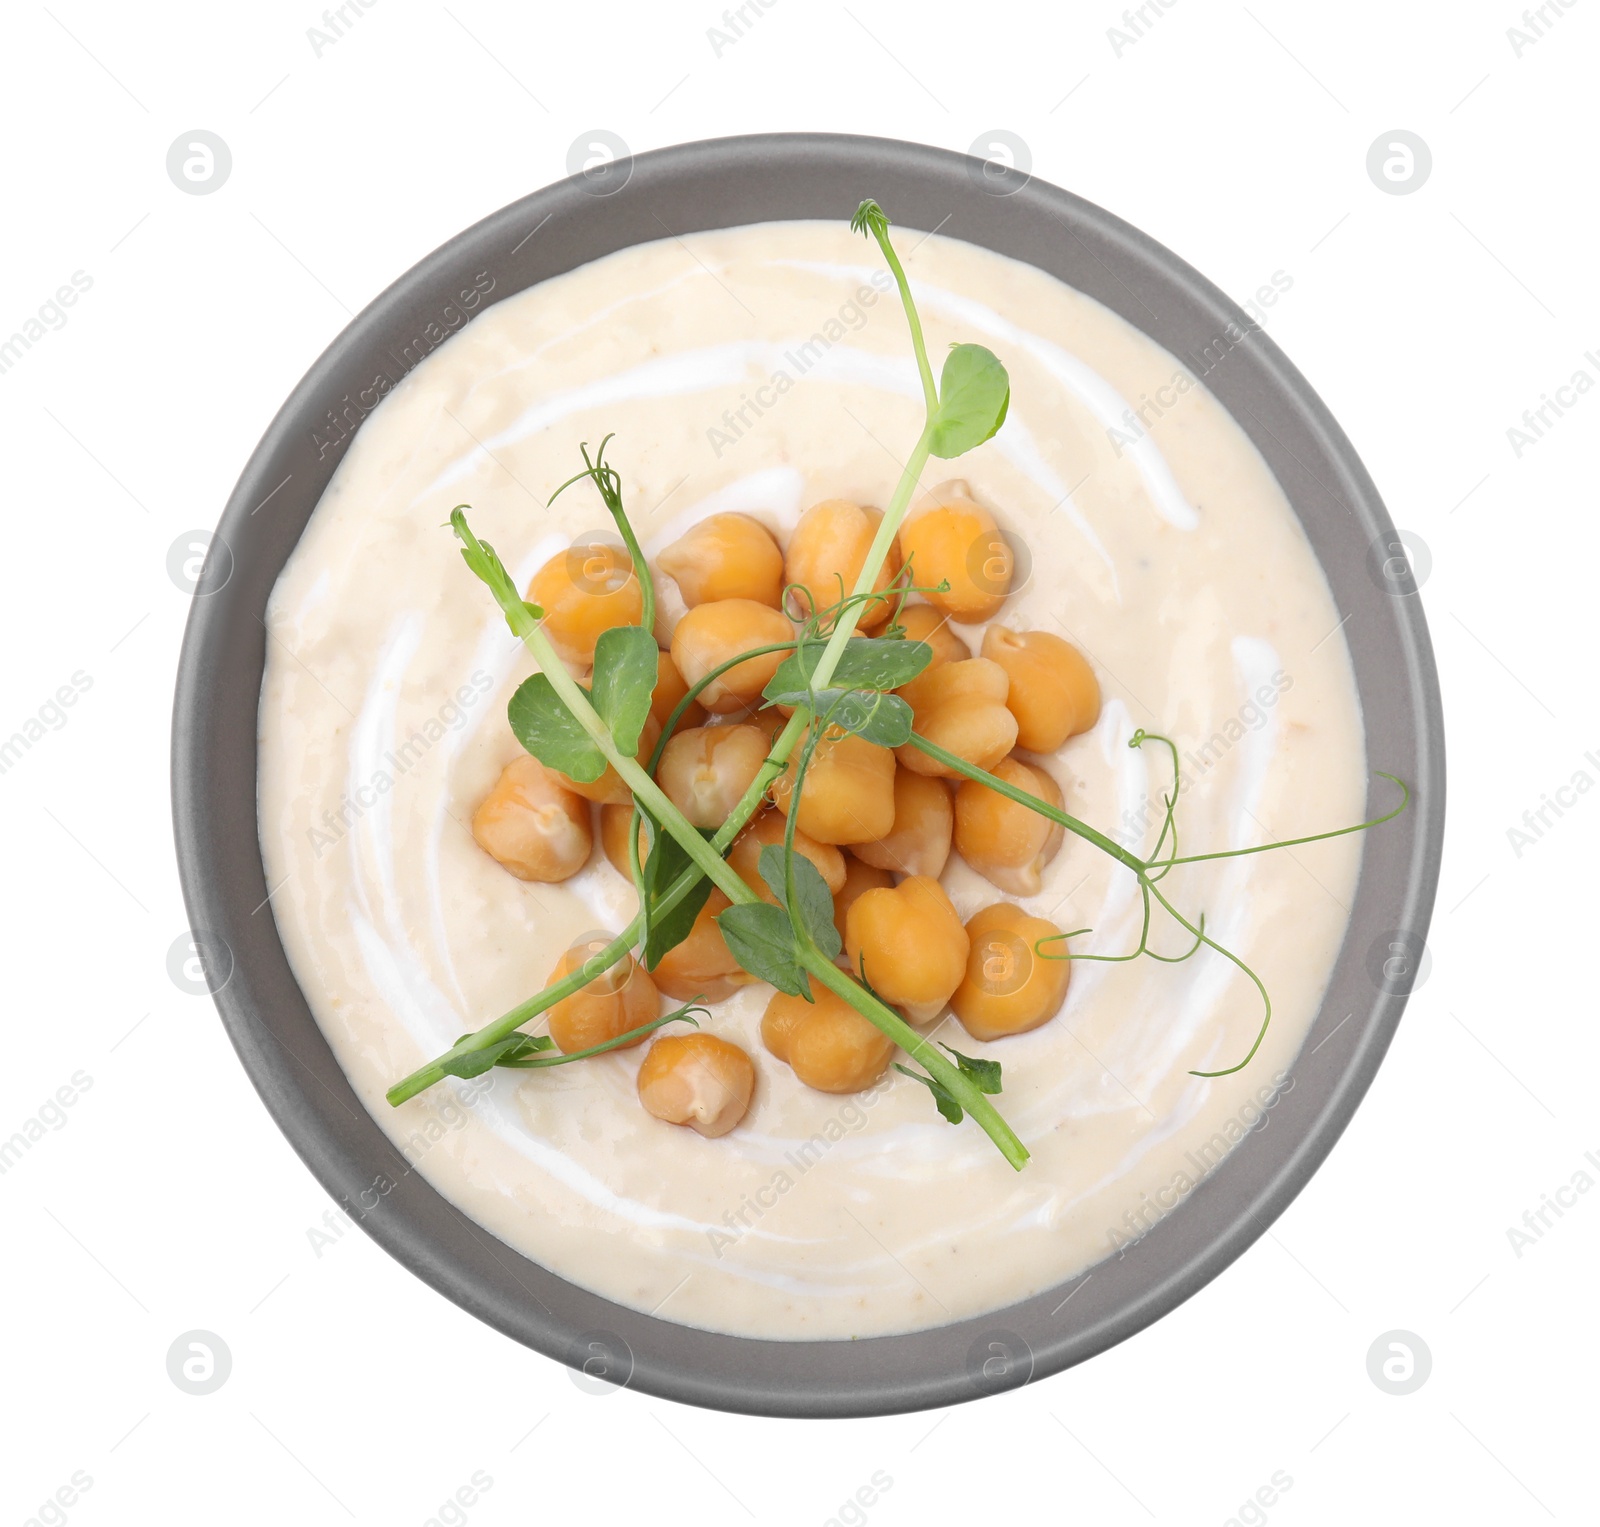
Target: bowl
x=725, y=183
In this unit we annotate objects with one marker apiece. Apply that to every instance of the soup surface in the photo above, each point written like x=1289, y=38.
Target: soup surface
x=763, y=369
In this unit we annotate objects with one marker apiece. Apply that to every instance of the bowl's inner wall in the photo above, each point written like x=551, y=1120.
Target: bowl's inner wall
x=726, y=183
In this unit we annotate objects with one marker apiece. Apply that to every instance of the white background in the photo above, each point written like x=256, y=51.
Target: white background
x=168, y=1202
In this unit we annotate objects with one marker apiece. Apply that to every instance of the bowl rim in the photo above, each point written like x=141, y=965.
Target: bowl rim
x=728, y=182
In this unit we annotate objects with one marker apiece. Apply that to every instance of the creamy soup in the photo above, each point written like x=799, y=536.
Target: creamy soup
x=763, y=369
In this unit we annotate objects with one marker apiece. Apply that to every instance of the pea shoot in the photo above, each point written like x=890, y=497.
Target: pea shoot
x=837, y=684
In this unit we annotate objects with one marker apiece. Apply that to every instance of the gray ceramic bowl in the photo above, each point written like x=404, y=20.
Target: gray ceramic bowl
x=720, y=184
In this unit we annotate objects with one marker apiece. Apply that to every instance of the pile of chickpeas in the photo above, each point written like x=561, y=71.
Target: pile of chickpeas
x=880, y=825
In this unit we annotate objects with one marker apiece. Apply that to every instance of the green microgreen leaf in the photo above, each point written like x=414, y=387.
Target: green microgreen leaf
x=871, y=219
x=525, y=1052
x=528, y=1061
x=485, y=563
x=974, y=393
x=624, y=678
x=813, y=900
x=946, y=1104
x=983, y=1074
x=503, y=1052
x=760, y=939
x=542, y=723
x=884, y=719
x=861, y=976
x=868, y=662
x=636, y=857
x=668, y=859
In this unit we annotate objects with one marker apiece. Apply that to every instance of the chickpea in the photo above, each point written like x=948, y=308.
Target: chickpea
x=727, y=556
x=848, y=795
x=533, y=824
x=858, y=877
x=617, y=1000
x=609, y=789
x=771, y=720
x=950, y=538
x=698, y=1080
x=1002, y=839
x=923, y=623
x=919, y=841
x=704, y=772
x=769, y=827
x=670, y=688
x=827, y=1043
x=784, y=1015
x=961, y=707
x=768, y=719
x=670, y=609
x=614, y=838
x=911, y=943
x=711, y=634
x=583, y=591
x=827, y=553
x=1054, y=693
x=702, y=966
x=1008, y=988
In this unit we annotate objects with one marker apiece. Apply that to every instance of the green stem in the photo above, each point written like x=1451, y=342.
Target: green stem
x=1103, y=959
x=1203, y=937
x=608, y=483
x=930, y=393
x=1139, y=867
x=1032, y=802
x=525, y=1012
x=508, y=1023
x=1147, y=885
x=641, y=568
x=699, y=686
x=921, y=1049
x=621, y=1042
x=1316, y=837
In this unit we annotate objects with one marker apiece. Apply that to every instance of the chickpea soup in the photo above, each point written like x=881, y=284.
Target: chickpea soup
x=1104, y=567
